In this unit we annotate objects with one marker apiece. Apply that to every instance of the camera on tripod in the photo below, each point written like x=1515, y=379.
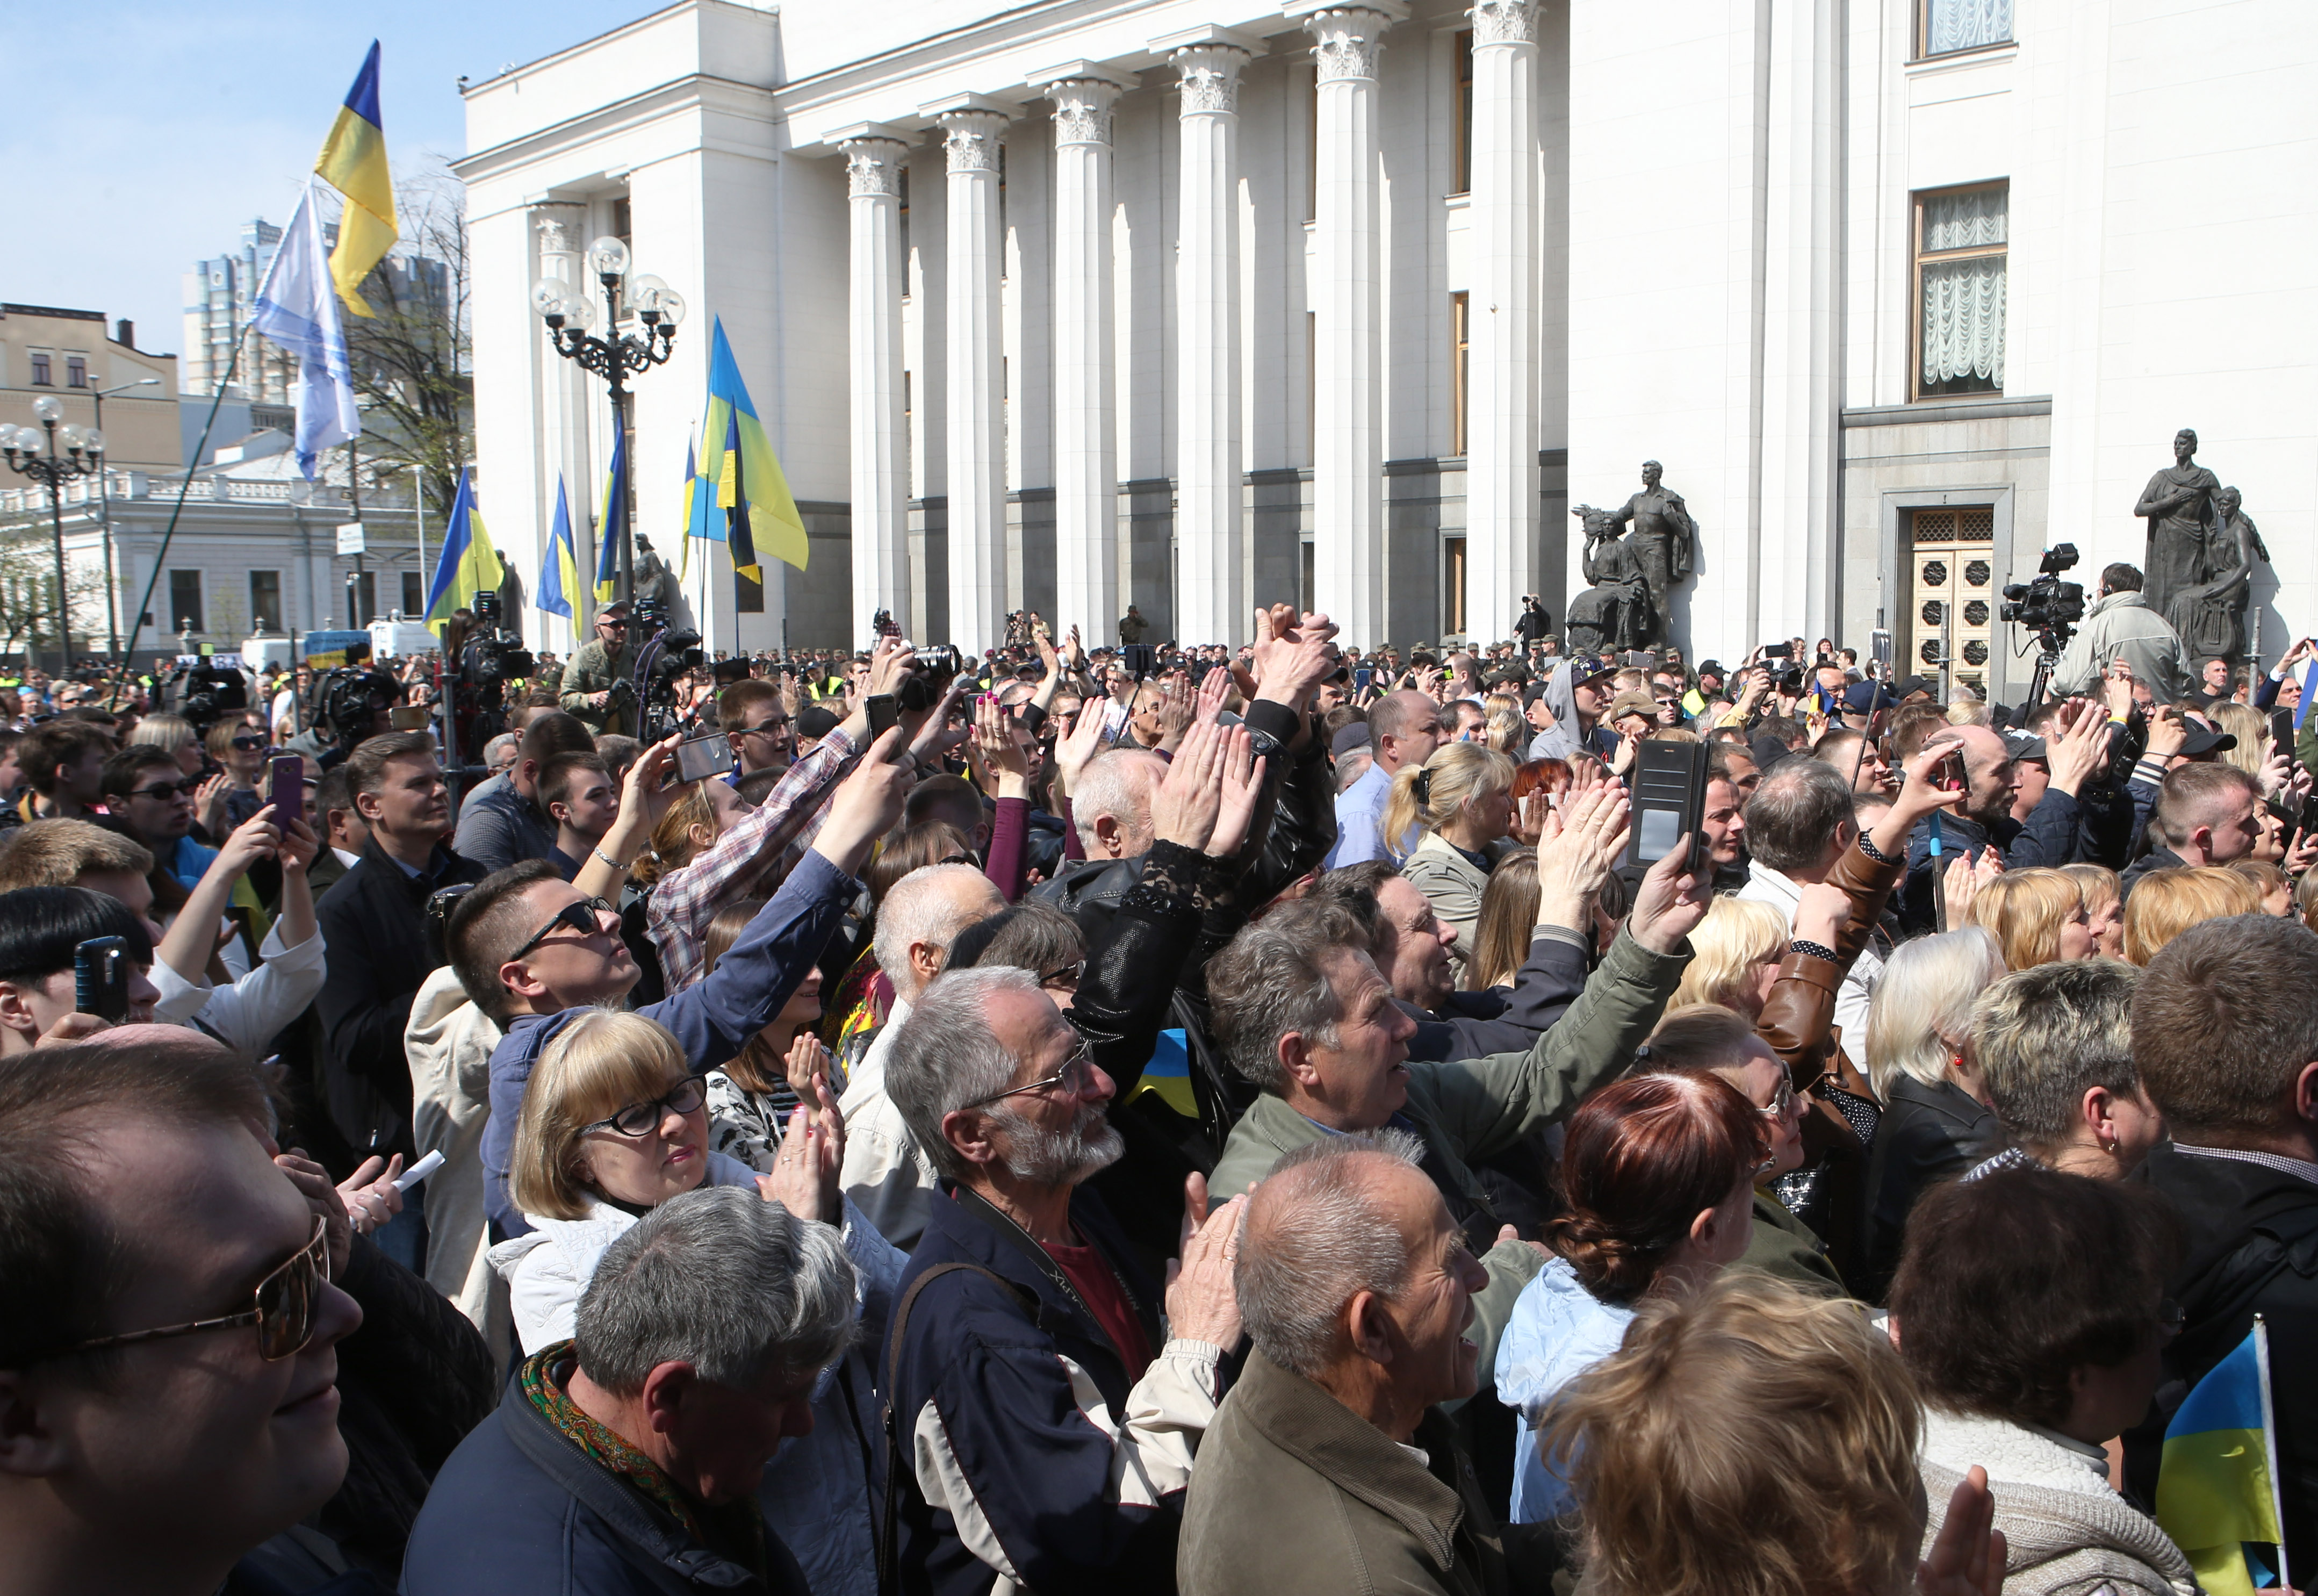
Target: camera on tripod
x=203, y=693
x=2047, y=604
x=668, y=653
x=492, y=656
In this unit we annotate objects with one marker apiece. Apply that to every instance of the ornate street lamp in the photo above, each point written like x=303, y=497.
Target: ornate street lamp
x=83, y=455
x=568, y=313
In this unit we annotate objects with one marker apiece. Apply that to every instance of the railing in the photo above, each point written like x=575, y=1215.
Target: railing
x=130, y=486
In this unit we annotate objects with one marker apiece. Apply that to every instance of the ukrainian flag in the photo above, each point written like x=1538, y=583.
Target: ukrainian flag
x=354, y=162
x=740, y=471
x=469, y=565
x=559, y=574
x=2217, y=1479
x=612, y=529
x=1168, y=1075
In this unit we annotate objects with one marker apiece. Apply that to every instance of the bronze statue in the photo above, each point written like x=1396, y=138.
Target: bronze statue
x=1664, y=544
x=2210, y=613
x=2179, y=505
x=1614, y=613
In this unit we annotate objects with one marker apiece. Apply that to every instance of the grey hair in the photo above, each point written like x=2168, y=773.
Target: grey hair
x=1274, y=979
x=946, y=1054
x=1795, y=813
x=721, y=1279
x=1118, y=784
x=918, y=908
x=2045, y=1036
x=1922, y=1008
x=1315, y=1237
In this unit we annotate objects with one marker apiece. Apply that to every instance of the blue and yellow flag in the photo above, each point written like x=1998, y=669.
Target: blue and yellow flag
x=559, y=572
x=612, y=526
x=354, y=162
x=469, y=566
x=2217, y=1479
x=741, y=475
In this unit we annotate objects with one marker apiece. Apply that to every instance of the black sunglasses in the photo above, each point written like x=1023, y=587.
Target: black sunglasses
x=246, y=743
x=585, y=916
x=161, y=792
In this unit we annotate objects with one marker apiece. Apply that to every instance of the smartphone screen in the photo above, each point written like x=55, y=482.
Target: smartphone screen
x=288, y=792
x=885, y=714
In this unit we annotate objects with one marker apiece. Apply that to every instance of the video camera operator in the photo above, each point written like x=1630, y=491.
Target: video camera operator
x=2122, y=626
x=599, y=685
x=345, y=707
x=487, y=658
x=665, y=656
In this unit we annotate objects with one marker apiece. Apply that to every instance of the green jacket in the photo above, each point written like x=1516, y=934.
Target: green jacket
x=592, y=670
x=1787, y=1249
x=1475, y=1108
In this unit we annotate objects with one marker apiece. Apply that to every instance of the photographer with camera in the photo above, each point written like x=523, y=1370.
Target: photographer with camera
x=599, y=685
x=2122, y=626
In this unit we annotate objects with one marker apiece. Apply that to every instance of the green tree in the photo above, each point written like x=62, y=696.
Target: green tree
x=413, y=361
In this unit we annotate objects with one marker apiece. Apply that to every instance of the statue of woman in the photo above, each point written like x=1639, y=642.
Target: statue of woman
x=2210, y=615
x=1614, y=613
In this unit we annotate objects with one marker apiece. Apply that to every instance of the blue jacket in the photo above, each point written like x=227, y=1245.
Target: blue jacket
x=1026, y=1418
x=519, y=1511
x=712, y=1020
x=2047, y=838
x=1559, y=1330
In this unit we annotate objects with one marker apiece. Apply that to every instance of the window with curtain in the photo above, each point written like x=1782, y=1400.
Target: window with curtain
x=1959, y=252
x=1951, y=26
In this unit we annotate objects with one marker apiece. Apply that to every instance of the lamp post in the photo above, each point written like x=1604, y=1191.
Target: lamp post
x=568, y=313
x=104, y=509
x=84, y=456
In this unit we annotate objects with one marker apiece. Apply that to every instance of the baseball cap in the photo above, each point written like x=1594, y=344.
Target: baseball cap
x=2025, y=745
x=1908, y=687
x=1631, y=703
x=814, y=722
x=1585, y=667
x=2203, y=739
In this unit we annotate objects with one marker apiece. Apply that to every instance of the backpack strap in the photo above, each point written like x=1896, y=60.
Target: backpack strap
x=889, y=1523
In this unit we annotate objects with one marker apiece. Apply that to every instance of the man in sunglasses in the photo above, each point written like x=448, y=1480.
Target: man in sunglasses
x=167, y=1348
x=529, y=947
x=148, y=792
x=599, y=685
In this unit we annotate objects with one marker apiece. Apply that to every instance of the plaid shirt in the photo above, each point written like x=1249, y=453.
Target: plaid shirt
x=683, y=902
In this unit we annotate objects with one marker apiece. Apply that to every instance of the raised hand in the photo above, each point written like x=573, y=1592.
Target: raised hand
x=1006, y=770
x=1214, y=689
x=2167, y=730
x=1967, y=1556
x=1589, y=834
x=866, y=806
x=1187, y=802
x=1077, y=749
x=1201, y=1303
x=1670, y=902
x=2081, y=750
x=1243, y=789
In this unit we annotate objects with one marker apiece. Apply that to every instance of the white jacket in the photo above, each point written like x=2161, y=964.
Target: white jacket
x=448, y=1044
x=887, y=1172
x=1765, y=885
x=251, y=1013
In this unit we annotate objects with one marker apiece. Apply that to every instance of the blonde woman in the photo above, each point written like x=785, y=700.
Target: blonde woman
x=614, y=1124
x=2104, y=900
x=2036, y=916
x=2251, y=728
x=1735, y=953
x=1937, y=1122
x=2182, y=898
x=1462, y=800
x=173, y=735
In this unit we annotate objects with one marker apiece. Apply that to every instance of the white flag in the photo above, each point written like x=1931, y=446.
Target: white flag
x=298, y=309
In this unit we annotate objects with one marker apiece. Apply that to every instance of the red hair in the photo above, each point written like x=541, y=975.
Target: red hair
x=1539, y=775
x=1641, y=1159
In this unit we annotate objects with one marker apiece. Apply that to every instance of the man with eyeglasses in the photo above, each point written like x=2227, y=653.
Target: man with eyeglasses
x=759, y=725
x=1050, y=1414
x=599, y=685
x=529, y=947
x=168, y=1398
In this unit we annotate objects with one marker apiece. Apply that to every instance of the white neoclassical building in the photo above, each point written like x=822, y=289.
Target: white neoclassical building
x=1198, y=304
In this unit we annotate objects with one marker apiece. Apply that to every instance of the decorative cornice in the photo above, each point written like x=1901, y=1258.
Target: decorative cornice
x=1210, y=75
x=1082, y=110
x=971, y=139
x=1346, y=41
x=1503, y=21
x=873, y=167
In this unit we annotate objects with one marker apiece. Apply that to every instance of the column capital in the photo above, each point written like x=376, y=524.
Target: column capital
x=1346, y=40
x=1208, y=60
x=1503, y=21
x=873, y=153
x=554, y=221
x=1083, y=94
x=972, y=128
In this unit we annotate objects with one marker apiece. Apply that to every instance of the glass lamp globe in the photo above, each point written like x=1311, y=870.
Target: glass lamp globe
x=548, y=296
x=48, y=408
x=68, y=438
x=580, y=312
x=92, y=441
x=8, y=430
x=644, y=291
x=607, y=257
x=671, y=306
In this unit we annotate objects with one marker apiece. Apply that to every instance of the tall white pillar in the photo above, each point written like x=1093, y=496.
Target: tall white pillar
x=1210, y=542
x=970, y=130
x=1501, y=441
x=880, y=465
x=1086, y=445
x=563, y=436
x=1348, y=552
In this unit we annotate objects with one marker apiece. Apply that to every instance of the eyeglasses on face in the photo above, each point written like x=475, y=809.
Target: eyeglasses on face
x=1075, y=1075
x=1062, y=978
x=584, y=916
x=773, y=727
x=245, y=744
x=283, y=1308
x=619, y=623
x=1782, y=1103
x=161, y=792
x=641, y=1119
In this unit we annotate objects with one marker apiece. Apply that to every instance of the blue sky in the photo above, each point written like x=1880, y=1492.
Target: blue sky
x=143, y=134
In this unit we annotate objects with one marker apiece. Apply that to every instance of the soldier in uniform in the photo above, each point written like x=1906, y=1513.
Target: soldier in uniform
x=598, y=684
x=1665, y=543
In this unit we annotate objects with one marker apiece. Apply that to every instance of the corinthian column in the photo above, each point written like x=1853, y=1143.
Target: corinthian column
x=880, y=459
x=1347, y=365
x=1501, y=435
x=971, y=127
x=1207, y=514
x=1086, y=443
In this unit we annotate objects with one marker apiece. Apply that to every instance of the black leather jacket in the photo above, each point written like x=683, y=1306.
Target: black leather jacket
x=1926, y=1134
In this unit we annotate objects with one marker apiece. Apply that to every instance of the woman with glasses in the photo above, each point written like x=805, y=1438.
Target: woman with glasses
x=1657, y=1174
x=240, y=751
x=2031, y=1307
x=615, y=1122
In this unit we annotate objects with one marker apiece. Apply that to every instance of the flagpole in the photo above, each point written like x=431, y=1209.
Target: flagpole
x=2270, y=1436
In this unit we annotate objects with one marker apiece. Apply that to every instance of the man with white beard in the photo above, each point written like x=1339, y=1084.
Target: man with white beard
x=1050, y=1418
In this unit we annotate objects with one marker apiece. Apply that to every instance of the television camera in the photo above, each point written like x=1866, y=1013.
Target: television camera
x=489, y=658
x=2050, y=609
x=204, y=693
x=667, y=652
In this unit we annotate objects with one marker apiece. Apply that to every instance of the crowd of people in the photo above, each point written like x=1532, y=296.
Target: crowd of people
x=1239, y=1119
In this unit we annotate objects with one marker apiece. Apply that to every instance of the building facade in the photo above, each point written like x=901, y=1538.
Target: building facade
x=49, y=352
x=1082, y=302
